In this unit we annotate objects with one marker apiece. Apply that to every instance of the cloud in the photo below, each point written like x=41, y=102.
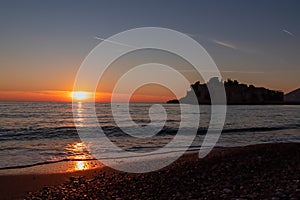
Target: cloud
x=114, y=42
x=225, y=44
x=218, y=42
x=244, y=72
x=194, y=35
x=288, y=32
x=209, y=71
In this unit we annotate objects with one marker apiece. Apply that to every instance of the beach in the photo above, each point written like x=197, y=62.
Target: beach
x=149, y=100
x=256, y=156
x=262, y=171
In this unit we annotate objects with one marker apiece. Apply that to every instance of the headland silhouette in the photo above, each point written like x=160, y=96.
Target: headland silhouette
x=236, y=94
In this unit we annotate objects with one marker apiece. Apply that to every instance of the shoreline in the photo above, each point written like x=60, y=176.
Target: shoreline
x=223, y=167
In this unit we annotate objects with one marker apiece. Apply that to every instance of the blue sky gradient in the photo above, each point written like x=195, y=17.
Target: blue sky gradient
x=253, y=41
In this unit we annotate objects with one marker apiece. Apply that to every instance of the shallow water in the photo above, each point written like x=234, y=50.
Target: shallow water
x=41, y=133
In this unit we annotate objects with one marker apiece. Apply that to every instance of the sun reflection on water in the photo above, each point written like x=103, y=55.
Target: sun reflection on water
x=78, y=115
x=81, y=165
x=80, y=158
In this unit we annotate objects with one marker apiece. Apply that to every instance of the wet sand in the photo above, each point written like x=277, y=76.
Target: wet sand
x=266, y=171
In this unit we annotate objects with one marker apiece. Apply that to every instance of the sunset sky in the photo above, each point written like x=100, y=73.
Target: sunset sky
x=42, y=43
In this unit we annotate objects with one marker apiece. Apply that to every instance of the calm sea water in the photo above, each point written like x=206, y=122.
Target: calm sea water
x=33, y=133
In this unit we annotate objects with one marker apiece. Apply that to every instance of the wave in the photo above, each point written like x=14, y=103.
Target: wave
x=261, y=129
x=114, y=131
x=192, y=148
x=45, y=163
x=37, y=133
x=203, y=131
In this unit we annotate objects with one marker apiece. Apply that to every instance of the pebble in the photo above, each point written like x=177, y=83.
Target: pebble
x=226, y=190
x=191, y=179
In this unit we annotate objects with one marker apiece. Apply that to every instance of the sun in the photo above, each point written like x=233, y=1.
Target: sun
x=80, y=95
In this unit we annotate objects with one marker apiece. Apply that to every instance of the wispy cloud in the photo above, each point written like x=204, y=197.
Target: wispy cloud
x=244, y=72
x=218, y=42
x=114, y=42
x=225, y=44
x=194, y=35
x=288, y=32
x=180, y=68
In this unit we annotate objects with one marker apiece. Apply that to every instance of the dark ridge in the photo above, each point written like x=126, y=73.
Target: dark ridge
x=236, y=94
x=293, y=96
x=173, y=101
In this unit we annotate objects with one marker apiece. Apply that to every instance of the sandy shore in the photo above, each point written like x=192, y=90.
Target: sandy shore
x=267, y=171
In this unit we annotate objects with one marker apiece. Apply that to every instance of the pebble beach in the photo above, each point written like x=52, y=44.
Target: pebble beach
x=263, y=171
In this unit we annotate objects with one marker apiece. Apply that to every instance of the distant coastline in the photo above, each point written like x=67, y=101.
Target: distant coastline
x=236, y=94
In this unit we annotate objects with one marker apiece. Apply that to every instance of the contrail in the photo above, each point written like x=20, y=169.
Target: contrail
x=222, y=71
x=225, y=44
x=114, y=42
x=288, y=32
x=244, y=72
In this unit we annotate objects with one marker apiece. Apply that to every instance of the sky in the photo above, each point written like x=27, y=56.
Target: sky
x=43, y=43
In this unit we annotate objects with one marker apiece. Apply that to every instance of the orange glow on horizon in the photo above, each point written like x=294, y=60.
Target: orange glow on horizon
x=66, y=96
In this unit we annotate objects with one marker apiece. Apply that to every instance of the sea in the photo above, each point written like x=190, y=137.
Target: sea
x=41, y=133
